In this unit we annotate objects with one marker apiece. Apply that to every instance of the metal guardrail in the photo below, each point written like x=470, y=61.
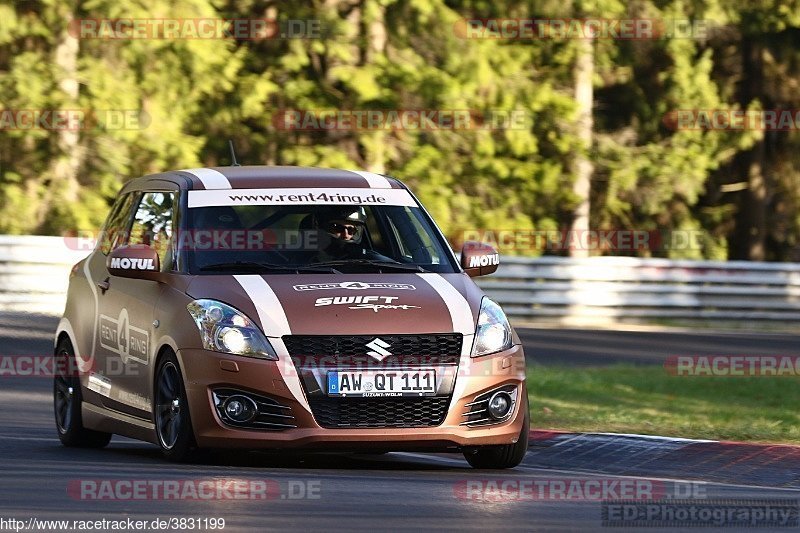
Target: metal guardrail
x=34, y=272
x=626, y=289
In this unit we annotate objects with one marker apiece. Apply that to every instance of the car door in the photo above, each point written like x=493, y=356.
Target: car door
x=103, y=361
x=126, y=309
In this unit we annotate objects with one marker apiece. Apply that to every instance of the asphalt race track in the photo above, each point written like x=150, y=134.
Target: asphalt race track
x=398, y=491
x=572, y=347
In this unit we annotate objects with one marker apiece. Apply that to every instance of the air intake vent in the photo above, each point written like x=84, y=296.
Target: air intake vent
x=379, y=412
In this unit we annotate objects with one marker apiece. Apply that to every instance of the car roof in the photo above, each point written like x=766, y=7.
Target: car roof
x=264, y=177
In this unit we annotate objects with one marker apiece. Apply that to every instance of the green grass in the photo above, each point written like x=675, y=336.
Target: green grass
x=647, y=400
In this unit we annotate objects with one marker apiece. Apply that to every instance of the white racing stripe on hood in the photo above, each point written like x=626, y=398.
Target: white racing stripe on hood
x=211, y=179
x=376, y=181
x=460, y=312
x=464, y=366
x=270, y=310
x=275, y=325
x=463, y=322
x=289, y=372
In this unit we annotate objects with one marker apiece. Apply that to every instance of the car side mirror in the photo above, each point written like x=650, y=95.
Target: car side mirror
x=137, y=261
x=479, y=259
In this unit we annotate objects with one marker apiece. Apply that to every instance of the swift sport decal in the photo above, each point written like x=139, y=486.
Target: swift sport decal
x=375, y=303
x=378, y=307
x=318, y=196
x=117, y=335
x=354, y=285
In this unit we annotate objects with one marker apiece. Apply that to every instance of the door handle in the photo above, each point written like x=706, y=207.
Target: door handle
x=104, y=285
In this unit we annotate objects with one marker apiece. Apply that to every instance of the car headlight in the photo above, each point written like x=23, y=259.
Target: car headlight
x=227, y=330
x=493, y=333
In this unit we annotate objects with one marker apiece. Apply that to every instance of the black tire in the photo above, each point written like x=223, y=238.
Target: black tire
x=67, y=403
x=505, y=455
x=173, y=426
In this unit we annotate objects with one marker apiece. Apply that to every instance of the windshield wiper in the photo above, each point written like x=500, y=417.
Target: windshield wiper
x=256, y=266
x=374, y=262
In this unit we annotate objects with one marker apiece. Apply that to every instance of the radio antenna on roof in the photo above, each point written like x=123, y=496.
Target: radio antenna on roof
x=234, y=162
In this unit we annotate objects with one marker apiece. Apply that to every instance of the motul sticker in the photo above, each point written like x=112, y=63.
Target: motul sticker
x=484, y=260
x=120, y=337
x=132, y=263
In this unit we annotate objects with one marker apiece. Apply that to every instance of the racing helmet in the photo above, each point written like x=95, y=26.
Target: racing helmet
x=345, y=224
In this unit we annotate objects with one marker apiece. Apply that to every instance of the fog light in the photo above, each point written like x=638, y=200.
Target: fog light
x=500, y=405
x=240, y=408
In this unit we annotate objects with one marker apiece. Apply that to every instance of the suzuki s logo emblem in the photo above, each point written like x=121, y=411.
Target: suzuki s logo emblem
x=379, y=350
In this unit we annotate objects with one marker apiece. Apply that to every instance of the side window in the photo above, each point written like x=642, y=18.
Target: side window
x=152, y=224
x=116, y=227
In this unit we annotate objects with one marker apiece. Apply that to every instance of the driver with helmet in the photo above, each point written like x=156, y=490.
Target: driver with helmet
x=345, y=229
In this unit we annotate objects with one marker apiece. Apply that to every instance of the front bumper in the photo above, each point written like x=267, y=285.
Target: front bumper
x=205, y=371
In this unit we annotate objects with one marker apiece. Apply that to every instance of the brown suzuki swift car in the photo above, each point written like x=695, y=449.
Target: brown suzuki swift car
x=285, y=307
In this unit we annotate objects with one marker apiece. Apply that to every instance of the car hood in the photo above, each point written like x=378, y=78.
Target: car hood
x=348, y=304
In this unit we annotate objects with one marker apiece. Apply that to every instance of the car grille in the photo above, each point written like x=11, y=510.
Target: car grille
x=317, y=353
x=443, y=349
x=334, y=413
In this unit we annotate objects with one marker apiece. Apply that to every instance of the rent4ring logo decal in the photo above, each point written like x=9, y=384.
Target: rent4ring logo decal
x=321, y=196
x=120, y=337
x=354, y=286
x=375, y=303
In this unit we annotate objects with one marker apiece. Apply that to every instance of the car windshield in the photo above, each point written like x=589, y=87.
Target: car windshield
x=313, y=238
